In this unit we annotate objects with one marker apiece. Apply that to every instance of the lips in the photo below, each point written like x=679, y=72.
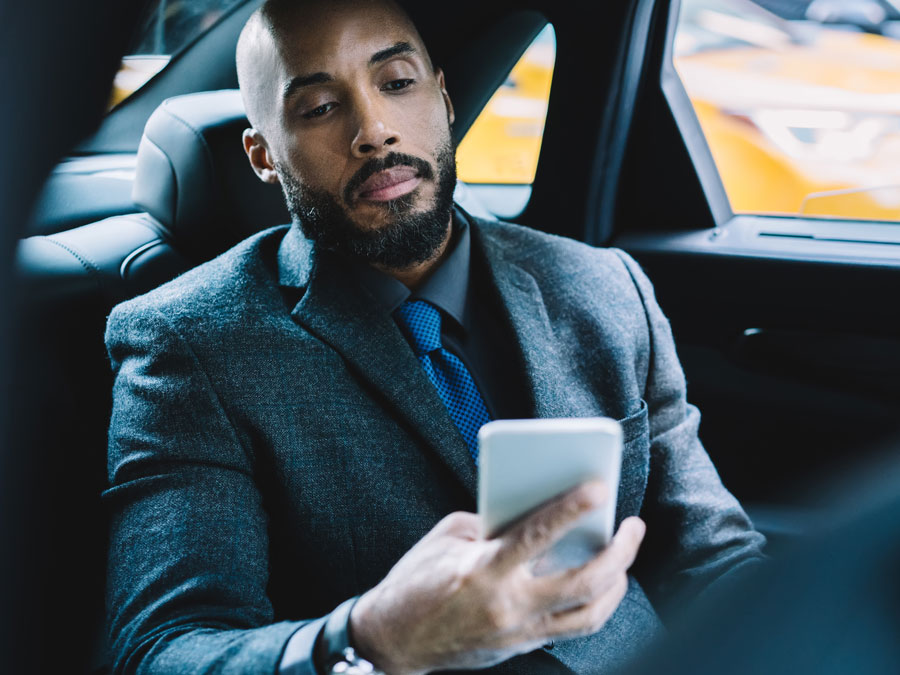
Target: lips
x=389, y=184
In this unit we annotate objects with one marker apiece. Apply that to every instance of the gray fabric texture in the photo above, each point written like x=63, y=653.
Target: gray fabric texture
x=275, y=446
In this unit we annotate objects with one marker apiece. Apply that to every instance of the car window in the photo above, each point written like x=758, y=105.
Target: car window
x=166, y=27
x=799, y=102
x=499, y=154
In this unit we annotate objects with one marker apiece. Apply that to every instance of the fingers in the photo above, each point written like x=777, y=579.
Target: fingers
x=588, y=618
x=537, y=531
x=592, y=592
x=460, y=524
x=584, y=585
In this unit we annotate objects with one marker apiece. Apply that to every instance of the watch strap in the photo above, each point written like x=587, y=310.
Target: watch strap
x=334, y=651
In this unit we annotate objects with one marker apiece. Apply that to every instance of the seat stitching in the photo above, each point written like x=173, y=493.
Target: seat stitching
x=88, y=265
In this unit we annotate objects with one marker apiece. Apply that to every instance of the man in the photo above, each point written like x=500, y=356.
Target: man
x=283, y=446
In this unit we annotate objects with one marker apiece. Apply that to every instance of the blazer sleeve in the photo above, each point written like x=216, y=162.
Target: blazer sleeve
x=698, y=535
x=188, y=550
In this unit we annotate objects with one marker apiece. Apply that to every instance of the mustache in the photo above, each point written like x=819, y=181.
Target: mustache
x=376, y=164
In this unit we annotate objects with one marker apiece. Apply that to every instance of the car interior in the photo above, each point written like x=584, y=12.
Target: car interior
x=784, y=324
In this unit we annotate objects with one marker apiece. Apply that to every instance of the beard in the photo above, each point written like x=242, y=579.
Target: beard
x=408, y=238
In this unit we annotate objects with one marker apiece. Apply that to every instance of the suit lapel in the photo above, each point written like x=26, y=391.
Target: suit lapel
x=341, y=314
x=554, y=386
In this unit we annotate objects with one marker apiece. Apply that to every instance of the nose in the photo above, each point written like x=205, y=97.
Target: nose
x=373, y=129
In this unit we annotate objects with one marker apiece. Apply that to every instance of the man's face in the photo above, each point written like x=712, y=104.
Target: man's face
x=359, y=133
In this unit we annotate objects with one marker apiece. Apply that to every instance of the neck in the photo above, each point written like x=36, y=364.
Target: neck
x=414, y=276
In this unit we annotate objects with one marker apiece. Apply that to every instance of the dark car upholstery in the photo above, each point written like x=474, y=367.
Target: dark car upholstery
x=193, y=176
x=199, y=197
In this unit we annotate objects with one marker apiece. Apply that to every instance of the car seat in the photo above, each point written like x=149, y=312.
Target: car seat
x=198, y=196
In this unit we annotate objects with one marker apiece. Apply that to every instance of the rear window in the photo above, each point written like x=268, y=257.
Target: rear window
x=165, y=29
x=498, y=157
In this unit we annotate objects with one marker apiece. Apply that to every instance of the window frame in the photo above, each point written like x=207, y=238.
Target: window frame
x=121, y=128
x=505, y=201
x=823, y=239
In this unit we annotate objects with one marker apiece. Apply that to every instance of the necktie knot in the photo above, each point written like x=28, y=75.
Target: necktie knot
x=421, y=323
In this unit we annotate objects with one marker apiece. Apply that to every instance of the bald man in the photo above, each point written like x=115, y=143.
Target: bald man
x=293, y=473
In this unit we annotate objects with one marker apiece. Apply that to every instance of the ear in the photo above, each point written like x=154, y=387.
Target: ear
x=440, y=79
x=258, y=154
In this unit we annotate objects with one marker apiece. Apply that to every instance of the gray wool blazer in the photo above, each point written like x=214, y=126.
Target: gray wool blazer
x=275, y=447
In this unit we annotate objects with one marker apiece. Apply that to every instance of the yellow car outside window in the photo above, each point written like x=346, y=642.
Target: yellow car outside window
x=504, y=143
x=801, y=118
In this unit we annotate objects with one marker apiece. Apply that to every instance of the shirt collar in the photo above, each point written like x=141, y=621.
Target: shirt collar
x=446, y=288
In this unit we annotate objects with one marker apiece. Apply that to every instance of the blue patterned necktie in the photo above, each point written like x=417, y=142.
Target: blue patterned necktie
x=421, y=324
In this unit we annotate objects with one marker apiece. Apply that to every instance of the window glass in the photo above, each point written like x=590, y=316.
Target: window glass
x=799, y=101
x=502, y=146
x=166, y=27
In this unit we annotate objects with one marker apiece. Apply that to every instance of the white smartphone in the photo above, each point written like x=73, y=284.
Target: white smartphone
x=523, y=463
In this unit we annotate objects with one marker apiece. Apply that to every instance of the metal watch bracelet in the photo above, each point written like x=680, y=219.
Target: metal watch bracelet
x=351, y=664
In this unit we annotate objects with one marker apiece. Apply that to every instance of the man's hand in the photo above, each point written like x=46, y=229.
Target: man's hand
x=457, y=600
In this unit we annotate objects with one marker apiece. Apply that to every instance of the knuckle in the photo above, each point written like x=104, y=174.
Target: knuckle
x=603, y=608
x=587, y=496
x=585, y=586
x=455, y=518
x=532, y=537
x=466, y=579
x=497, y=618
x=598, y=586
x=455, y=522
x=576, y=504
x=573, y=578
x=545, y=625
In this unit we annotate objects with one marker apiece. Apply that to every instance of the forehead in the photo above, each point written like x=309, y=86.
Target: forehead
x=329, y=36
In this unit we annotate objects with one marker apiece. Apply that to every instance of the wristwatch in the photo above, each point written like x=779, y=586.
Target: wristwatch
x=335, y=655
x=351, y=664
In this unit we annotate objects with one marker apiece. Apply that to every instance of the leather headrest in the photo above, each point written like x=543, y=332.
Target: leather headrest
x=193, y=176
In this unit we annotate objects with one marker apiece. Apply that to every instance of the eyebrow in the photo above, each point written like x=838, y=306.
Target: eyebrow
x=305, y=81
x=385, y=54
x=321, y=77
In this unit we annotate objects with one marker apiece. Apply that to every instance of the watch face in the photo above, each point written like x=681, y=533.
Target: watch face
x=354, y=665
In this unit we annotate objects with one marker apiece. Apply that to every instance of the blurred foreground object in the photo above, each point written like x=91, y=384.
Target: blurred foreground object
x=830, y=605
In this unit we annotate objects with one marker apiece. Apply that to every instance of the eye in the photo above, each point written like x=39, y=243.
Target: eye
x=318, y=111
x=397, y=85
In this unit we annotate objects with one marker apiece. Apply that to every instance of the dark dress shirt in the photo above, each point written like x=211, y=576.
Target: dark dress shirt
x=471, y=326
